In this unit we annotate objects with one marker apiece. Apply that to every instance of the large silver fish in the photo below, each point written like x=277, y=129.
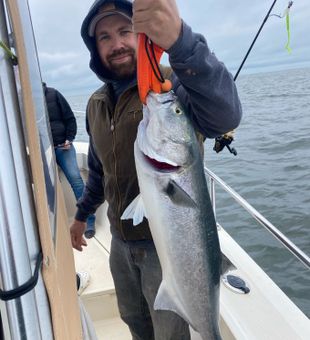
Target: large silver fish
x=175, y=199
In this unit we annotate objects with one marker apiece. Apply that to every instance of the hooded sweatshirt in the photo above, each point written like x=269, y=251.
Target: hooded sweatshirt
x=203, y=86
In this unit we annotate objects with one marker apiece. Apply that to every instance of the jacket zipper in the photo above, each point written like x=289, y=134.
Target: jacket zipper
x=112, y=127
x=115, y=158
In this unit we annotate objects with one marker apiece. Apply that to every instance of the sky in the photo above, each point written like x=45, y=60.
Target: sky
x=229, y=27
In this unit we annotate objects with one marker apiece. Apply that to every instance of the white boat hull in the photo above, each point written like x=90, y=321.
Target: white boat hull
x=265, y=313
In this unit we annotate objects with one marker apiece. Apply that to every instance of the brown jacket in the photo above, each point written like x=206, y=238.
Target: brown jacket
x=113, y=131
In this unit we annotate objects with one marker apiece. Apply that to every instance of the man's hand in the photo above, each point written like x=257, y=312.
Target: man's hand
x=77, y=231
x=67, y=145
x=159, y=20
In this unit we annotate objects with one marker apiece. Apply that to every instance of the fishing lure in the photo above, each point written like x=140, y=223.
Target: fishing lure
x=286, y=14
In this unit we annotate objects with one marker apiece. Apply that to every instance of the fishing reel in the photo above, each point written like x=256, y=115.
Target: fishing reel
x=224, y=141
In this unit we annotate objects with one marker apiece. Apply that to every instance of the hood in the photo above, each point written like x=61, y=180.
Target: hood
x=95, y=62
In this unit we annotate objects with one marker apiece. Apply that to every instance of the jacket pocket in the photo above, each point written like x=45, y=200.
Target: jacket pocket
x=135, y=115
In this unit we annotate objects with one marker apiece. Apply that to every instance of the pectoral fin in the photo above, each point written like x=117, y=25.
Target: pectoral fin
x=135, y=211
x=178, y=195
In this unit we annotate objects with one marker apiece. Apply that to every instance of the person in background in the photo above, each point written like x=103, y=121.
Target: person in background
x=208, y=93
x=63, y=128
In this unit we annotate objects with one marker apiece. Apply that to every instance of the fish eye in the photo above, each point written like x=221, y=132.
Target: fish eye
x=178, y=111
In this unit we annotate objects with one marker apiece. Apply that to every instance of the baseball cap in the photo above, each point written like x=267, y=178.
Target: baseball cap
x=106, y=11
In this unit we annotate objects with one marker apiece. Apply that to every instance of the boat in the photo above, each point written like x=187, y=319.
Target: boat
x=37, y=263
x=264, y=312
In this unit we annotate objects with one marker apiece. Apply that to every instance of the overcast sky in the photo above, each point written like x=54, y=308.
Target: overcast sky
x=229, y=27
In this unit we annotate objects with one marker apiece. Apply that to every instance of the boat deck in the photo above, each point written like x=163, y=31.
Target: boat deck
x=100, y=301
x=265, y=313
x=99, y=297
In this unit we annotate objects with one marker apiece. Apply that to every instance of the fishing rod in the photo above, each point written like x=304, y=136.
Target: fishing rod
x=225, y=140
x=257, y=34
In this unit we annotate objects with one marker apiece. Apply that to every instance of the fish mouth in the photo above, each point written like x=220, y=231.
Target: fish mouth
x=156, y=161
x=161, y=166
x=149, y=154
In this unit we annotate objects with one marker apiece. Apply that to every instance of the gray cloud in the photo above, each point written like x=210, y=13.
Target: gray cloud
x=228, y=26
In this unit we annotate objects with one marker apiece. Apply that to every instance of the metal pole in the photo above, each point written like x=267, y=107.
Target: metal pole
x=302, y=257
x=28, y=317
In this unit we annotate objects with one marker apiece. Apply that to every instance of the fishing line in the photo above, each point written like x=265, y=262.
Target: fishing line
x=290, y=4
x=155, y=68
x=225, y=140
x=286, y=13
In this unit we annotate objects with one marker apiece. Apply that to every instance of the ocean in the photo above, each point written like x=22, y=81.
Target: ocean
x=271, y=171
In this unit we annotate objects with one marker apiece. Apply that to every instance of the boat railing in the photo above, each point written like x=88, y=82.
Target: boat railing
x=298, y=253
x=213, y=179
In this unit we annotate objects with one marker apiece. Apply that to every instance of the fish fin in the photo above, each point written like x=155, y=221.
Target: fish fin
x=178, y=195
x=163, y=301
x=135, y=211
x=226, y=265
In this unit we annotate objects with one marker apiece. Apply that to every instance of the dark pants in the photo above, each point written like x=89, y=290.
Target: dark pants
x=137, y=275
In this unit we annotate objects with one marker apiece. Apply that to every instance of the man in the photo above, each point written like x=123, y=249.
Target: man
x=206, y=90
x=63, y=128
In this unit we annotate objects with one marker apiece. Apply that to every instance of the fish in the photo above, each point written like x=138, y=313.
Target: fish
x=174, y=198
